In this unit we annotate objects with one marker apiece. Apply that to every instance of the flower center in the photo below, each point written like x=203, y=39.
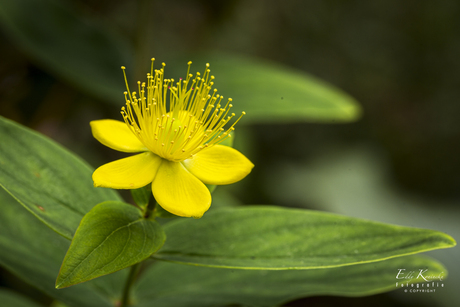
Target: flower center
x=176, y=120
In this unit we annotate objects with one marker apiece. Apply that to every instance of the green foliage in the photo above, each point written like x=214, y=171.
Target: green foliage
x=60, y=38
x=111, y=237
x=34, y=252
x=168, y=284
x=190, y=286
x=142, y=196
x=268, y=237
x=38, y=176
x=12, y=299
x=270, y=93
x=91, y=61
x=114, y=235
x=160, y=212
x=53, y=184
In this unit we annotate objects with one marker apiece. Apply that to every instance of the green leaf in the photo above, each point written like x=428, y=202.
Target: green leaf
x=263, y=237
x=142, y=196
x=12, y=299
x=91, y=60
x=34, y=253
x=167, y=284
x=111, y=237
x=269, y=92
x=211, y=187
x=49, y=181
x=160, y=212
x=60, y=38
x=92, y=57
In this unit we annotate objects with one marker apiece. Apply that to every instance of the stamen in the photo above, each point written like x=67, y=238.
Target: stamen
x=176, y=120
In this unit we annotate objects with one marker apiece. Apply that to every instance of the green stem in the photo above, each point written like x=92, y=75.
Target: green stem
x=150, y=208
x=129, y=282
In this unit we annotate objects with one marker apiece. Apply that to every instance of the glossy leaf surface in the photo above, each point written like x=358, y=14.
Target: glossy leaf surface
x=49, y=181
x=173, y=285
x=269, y=92
x=34, y=252
x=111, y=237
x=268, y=237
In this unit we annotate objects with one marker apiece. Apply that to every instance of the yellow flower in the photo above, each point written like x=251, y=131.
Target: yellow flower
x=176, y=128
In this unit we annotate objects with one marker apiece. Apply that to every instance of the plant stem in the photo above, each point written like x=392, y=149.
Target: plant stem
x=150, y=207
x=129, y=282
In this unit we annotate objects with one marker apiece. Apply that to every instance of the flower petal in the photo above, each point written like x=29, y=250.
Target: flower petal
x=116, y=135
x=219, y=165
x=128, y=173
x=179, y=192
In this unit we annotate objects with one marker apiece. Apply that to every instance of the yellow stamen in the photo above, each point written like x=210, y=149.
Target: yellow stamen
x=181, y=123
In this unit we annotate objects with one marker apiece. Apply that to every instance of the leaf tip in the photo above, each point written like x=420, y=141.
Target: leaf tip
x=451, y=241
x=446, y=240
x=59, y=284
x=62, y=283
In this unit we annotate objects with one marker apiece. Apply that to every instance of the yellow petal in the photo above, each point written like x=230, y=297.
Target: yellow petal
x=219, y=165
x=179, y=192
x=116, y=135
x=128, y=173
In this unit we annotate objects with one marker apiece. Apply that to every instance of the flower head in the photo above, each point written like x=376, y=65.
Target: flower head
x=176, y=127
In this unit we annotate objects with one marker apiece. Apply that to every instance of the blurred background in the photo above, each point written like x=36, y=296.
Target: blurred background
x=398, y=162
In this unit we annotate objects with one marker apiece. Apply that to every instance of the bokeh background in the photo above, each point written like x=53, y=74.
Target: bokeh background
x=398, y=163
